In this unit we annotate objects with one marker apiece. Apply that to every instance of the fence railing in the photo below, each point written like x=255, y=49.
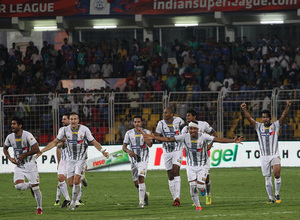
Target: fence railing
x=110, y=115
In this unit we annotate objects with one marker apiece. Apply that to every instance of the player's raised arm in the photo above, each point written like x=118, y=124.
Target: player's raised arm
x=247, y=114
x=48, y=147
x=99, y=148
x=285, y=112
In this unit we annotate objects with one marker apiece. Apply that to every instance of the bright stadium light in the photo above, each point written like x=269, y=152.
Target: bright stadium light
x=45, y=28
x=186, y=25
x=105, y=27
x=272, y=22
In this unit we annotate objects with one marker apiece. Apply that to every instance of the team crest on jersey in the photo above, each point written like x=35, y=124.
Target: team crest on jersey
x=203, y=179
x=24, y=143
x=179, y=160
x=81, y=137
x=143, y=172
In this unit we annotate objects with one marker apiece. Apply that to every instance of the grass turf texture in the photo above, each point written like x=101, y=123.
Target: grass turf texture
x=237, y=193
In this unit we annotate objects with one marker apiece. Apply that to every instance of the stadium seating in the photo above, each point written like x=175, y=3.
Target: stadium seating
x=43, y=139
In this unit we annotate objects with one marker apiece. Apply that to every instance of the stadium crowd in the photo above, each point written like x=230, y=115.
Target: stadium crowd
x=200, y=66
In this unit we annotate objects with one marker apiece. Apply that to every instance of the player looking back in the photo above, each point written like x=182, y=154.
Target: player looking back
x=268, y=133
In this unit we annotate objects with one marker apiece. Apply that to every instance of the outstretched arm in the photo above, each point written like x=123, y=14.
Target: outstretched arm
x=147, y=141
x=285, y=112
x=247, y=115
x=48, y=147
x=237, y=140
x=163, y=139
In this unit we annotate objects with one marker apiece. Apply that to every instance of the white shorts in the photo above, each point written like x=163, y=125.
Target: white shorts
x=139, y=169
x=172, y=158
x=28, y=170
x=197, y=173
x=75, y=167
x=62, y=168
x=267, y=162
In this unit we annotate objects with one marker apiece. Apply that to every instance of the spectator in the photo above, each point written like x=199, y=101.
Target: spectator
x=107, y=69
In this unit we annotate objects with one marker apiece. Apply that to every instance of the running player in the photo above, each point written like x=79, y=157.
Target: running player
x=24, y=146
x=139, y=154
x=268, y=133
x=196, y=146
x=172, y=152
x=191, y=115
x=77, y=138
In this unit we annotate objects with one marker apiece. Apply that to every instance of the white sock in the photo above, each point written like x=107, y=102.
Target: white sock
x=58, y=192
x=79, y=195
x=194, y=193
x=37, y=196
x=142, y=191
x=277, y=183
x=177, y=186
x=75, y=193
x=269, y=186
x=208, y=185
x=64, y=190
x=172, y=188
x=22, y=186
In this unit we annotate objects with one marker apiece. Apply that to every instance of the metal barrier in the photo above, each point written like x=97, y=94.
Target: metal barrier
x=206, y=104
x=110, y=115
x=233, y=120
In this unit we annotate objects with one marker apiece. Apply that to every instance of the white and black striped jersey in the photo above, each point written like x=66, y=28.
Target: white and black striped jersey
x=203, y=127
x=77, y=141
x=195, y=149
x=63, y=150
x=20, y=145
x=268, y=138
x=170, y=130
x=137, y=145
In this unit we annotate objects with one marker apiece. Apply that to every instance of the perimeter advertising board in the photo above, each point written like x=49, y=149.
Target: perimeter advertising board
x=222, y=155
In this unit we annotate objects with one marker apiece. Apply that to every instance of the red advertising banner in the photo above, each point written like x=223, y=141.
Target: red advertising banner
x=198, y=6
x=39, y=8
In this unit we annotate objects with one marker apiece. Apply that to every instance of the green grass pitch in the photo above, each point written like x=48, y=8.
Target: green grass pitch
x=237, y=193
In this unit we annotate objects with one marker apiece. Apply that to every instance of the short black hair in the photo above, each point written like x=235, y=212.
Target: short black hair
x=266, y=112
x=138, y=116
x=18, y=120
x=192, y=112
x=67, y=114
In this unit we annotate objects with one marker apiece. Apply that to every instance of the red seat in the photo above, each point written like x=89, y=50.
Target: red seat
x=99, y=137
x=52, y=137
x=43, y=139
x=104, y=130
x=94, y=130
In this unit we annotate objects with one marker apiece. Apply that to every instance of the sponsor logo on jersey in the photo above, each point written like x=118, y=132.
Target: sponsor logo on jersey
x=19, y=139
x=138, y=135
x=75, y=141
x=74, y=132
